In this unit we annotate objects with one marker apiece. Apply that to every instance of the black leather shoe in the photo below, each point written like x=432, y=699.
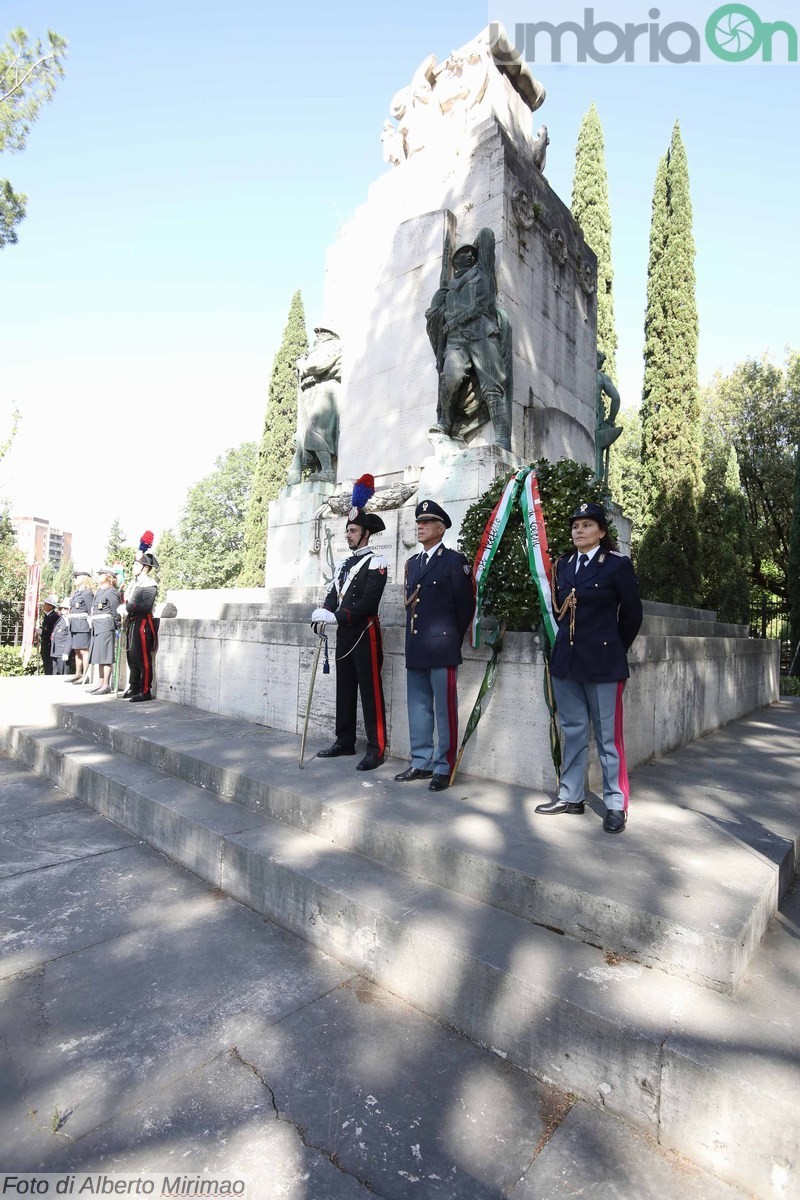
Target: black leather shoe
x=559, y=806
x=126, y=695
x=140, y=699
x=614, y=820
x=369, y=762
x=411, y=774
x=334, y=751
x=439, y=783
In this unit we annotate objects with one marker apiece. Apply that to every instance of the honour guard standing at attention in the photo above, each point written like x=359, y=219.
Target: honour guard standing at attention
x=352, y=604
x=105, y=623
x=440, y=601
x=141, y=640
x=80, y=605
x=599, y=613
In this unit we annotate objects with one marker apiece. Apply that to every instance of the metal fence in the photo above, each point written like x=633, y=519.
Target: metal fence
x=770, y=619
x=11, y=624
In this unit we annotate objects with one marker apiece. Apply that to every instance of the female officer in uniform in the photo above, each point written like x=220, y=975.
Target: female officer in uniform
x=80, y=605
x=105, y=622
x=599, y=613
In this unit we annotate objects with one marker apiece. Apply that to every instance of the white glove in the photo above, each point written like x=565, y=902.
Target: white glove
x=122, y=610
x=322, y=614
x=65, y=657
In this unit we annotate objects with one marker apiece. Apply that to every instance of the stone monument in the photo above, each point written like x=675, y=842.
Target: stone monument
x=464, y=295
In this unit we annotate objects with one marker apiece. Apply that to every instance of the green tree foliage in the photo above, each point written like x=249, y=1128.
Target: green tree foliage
x=625, y=470
x=211, y=529
x=13, y=568
x=794, y=567
x=117, y=549
x=5, y=446
x=64, y=582
x=46, y=579
x=168, y=553
x=277, y=443
x=734, y=558
x=756, y=409
x=668, y=560
x=29, y=73
x=591, y=209
x=509, y=593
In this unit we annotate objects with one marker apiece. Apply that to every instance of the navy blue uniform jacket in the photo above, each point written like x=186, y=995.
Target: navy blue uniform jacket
x=61, y=640
x=608, y=617
x=437, y=622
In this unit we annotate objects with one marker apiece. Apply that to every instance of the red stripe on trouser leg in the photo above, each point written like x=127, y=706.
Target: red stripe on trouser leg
x=619, y=742
x=380, y=715
x=145, y=657
x=452, y=716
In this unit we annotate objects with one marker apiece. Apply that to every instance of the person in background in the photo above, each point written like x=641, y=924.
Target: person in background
x=105, y=621
x=80, y=606
x=596, y=603
x=61, y=640
x=44, y=631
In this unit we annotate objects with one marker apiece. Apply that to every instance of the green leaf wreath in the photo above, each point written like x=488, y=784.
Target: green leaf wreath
x=509, y=593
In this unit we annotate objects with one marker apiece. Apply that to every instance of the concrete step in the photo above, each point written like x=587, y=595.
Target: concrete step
x=483, y=840
x=710, y=1076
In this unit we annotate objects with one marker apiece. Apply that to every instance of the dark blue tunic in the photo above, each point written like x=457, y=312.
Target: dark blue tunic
x=608, y=616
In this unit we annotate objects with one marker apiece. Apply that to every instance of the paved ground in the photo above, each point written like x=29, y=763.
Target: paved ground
x=149, y=1024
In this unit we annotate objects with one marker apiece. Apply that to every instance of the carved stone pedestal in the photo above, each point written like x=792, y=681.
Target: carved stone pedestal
x=293, y=549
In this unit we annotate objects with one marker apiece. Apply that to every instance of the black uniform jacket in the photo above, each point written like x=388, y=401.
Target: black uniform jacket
x=80, y=606
x=360, y=598
x=49, y=621
x=142, y=599
x=439, y=613
x=608, y=616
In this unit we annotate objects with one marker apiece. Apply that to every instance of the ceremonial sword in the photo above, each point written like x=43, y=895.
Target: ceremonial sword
x=321, y=637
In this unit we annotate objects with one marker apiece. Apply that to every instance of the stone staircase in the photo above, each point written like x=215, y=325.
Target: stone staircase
x=627, y=970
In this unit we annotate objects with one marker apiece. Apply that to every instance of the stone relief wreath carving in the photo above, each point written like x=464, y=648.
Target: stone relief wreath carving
x=523, y=209
x=558, y=246
x=587, y=276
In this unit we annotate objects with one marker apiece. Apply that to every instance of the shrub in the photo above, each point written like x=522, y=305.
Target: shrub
x=11, y=662
x=509, y=593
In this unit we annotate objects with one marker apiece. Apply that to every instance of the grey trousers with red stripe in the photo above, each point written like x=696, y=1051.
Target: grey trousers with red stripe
x=433, y=700
x=599, y=706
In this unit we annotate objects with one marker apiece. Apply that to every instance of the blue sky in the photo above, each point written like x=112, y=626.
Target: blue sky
x=195, y=165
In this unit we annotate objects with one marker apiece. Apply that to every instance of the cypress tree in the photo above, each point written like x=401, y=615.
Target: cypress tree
x=794, y=567
x=669, y=557
x=277, y=444
x=590, y=208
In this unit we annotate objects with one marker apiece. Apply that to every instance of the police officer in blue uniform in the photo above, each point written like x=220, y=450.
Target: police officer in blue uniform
x=596, y=603
x=440, y=602
x=352, y=606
